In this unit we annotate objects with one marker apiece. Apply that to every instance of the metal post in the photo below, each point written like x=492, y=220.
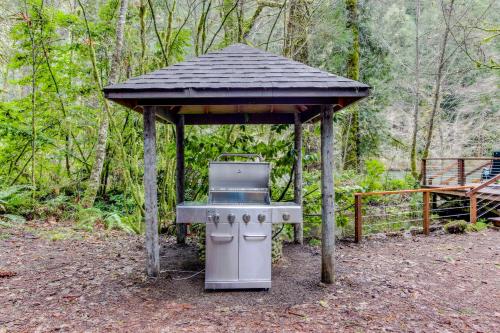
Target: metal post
x=327, y=197
x=358, y=226
x=298, y=229
x=426, y=212
x=179, y=181
x=150, y=191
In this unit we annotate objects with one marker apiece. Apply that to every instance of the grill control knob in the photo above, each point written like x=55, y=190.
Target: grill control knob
x=246, y=218
x=286, y=216
x=261, y=218
x=231, y=218
x=216, y=218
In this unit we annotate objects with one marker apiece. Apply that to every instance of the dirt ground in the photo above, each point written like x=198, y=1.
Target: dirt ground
x=53, y=278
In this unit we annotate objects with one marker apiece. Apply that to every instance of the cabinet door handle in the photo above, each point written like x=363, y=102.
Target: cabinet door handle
x=255, y=237
x=221, y=237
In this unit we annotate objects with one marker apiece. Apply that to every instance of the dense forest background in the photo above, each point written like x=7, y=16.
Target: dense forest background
x=66, y=151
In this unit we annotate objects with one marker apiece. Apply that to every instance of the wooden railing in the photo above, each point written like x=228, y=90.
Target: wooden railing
x=456, y=170
x=426, y=208
x=472, y=194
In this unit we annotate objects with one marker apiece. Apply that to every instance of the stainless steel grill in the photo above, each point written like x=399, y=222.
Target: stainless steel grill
x=238, y=217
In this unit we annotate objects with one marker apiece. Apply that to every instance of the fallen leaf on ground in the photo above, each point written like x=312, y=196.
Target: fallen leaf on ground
x=324, y=304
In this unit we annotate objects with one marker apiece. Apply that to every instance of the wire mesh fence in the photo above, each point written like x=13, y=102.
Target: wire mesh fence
x=415, y=210
x=459, y=171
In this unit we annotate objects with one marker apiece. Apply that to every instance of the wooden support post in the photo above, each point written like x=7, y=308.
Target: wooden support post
x=423, y=172
x=179, y=179
x=151, y=196
x=461, y=171
x=434, y=199
x=298, y=229
x=327, y=197
x=426, y=212
x=473, y=209
x=358, y=219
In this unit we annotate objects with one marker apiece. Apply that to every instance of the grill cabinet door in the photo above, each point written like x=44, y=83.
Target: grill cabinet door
x=255, y=251
x=221, y=252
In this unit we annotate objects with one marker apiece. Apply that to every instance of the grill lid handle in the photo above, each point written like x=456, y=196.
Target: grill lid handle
x=259, y=158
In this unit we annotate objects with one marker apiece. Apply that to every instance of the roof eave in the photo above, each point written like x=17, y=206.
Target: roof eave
x=221, y=94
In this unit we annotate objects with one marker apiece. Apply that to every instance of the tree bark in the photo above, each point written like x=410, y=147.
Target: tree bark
x=142, y=23
x=436, y=97
x=296, y=41
x=228, y=12
x=416, y=110
x=102, y=136
x=327, y=197
x=350, y=127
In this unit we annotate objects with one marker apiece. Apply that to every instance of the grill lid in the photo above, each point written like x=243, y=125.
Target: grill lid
x=239, y=182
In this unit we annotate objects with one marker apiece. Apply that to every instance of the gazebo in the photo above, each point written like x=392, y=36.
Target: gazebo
x=238, y=85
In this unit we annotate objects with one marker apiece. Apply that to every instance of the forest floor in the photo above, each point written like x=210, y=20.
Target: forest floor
x=53, y=278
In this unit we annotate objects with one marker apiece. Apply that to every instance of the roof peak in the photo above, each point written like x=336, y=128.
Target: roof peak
x=238, y=47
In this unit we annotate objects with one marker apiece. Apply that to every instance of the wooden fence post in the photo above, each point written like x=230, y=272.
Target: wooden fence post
x=426, y=212
x=150, y=193
x=473, y=209
x=461, y=171
x=358, y=226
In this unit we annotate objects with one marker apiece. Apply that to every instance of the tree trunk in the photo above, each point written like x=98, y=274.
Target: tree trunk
x=33, y=103
x=416, y=110
x=142, y=23
x=168, y=33
x=439, y=77
x=350, y=126
x=102, y=137
x=296, y=42
x=231, y=34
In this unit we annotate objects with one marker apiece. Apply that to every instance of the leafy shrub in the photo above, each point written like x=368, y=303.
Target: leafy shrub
x=17, y=199
x=456, y=227
x=374, y=172
x=478, y=226
x=87, y=218
x=314, y=242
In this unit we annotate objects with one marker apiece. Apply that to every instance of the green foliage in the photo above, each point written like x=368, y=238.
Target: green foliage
x=13, y=219
x=46, y=46
x=477, y=227
x=17, y=199
x=373, y=179
x=314, y=242
x=88, y=218
x=456, y=227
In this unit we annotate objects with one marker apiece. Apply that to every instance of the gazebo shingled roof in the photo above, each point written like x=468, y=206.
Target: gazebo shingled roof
x=251, y=85
x=238, y=85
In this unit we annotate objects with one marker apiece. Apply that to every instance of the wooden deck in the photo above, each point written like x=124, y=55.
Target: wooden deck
x=491, y=193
